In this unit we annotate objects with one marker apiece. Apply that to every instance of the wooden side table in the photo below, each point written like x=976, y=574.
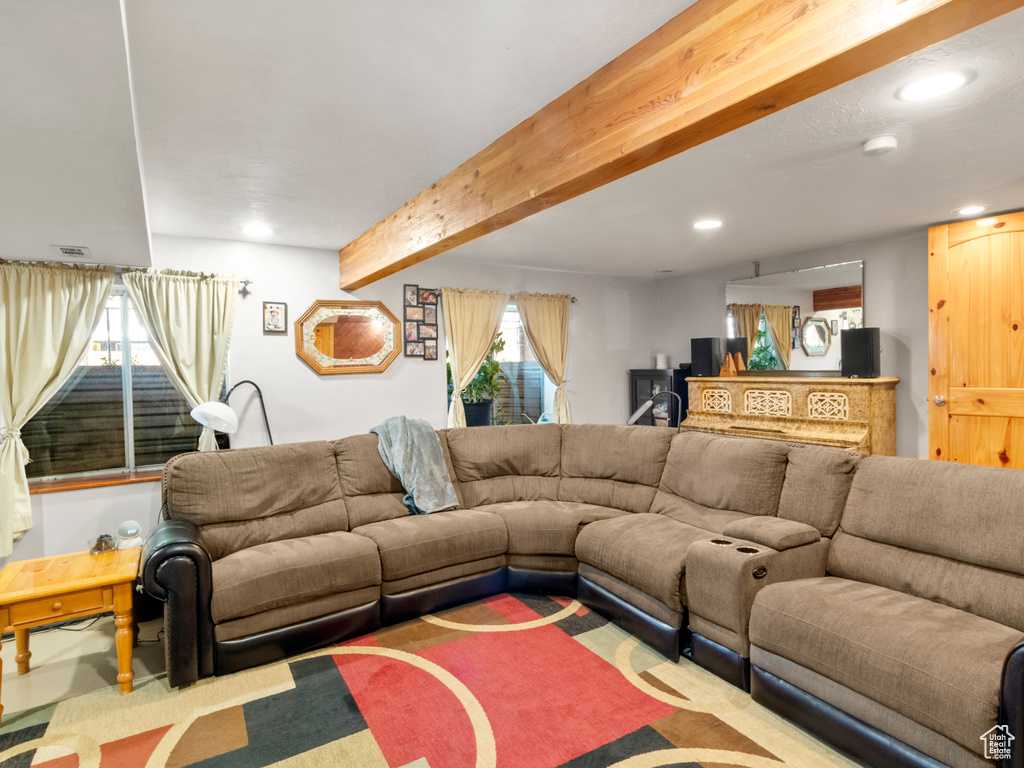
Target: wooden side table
x=51, y=589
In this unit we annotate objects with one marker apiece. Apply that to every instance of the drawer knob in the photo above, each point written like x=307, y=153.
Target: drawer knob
x=56, y=606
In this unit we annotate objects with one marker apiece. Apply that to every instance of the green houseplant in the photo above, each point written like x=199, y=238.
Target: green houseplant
x=763, y=357
x=478, y=397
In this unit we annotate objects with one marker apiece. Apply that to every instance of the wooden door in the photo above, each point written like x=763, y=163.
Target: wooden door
x=976, y=341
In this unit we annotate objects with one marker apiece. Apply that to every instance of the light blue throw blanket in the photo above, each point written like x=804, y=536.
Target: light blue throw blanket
x=412, y=452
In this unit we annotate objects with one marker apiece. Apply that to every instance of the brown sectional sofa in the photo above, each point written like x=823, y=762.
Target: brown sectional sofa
x=877, y=602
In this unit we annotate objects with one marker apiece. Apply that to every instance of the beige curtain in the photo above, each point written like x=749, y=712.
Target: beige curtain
x=748, y=318
x=471, y=321
x=188, y=318
x=780, y=320
x=47, y=315
x=545, y=318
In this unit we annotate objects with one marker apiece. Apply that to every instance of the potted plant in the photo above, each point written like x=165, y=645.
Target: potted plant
x=478, y=397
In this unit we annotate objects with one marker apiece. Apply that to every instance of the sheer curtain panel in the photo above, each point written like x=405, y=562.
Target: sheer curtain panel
x=748, y=318
x=188, y=317
x=545, y=319
x=780, y=320
x=47, y=315
x=471, y=321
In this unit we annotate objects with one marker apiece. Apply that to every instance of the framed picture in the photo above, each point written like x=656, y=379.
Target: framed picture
x=420, y=329
x=275, y=318
x=835, y=327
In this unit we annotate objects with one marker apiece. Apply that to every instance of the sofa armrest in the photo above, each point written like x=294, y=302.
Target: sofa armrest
x=176, y=570
x=722, y=580
x=1011, y=706
x=773, y=532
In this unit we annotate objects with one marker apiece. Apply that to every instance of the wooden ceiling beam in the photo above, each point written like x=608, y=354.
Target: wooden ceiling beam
x=717, y=66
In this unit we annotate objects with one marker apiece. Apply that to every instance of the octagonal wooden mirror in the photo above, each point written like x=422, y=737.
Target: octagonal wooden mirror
x=815, y=337
x=347, y=337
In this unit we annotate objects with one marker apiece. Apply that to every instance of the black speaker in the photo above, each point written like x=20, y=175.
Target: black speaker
x=732, y=346
x=706, y=356
x=861, y=349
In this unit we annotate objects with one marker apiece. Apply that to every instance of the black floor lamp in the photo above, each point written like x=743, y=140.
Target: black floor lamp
x=646, y=406
x=219, y=416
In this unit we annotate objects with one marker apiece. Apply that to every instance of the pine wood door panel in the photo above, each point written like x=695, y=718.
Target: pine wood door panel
x=976, y=341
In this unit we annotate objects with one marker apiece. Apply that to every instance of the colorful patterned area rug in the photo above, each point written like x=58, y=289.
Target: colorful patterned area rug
x=513, y=681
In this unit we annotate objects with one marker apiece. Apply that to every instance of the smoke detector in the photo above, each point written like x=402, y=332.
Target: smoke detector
x=72, y=251
x=880, y=145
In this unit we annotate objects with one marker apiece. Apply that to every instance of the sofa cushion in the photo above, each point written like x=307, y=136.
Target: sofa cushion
x=817, y=483
x=284, y=573
x=547, y=527
x=958, y=511
x=421, y=543
x=250, y=496
x=947, y=532
x=936, y=665
x=613, y=465
x=372, y=493
x=646, y=551
x=707, y=474
x=497, y=464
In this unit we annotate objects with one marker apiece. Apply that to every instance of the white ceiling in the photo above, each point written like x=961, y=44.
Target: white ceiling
x=324, y=116
x=69, y=169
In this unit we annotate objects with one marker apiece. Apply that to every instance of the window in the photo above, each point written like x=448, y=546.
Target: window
x=764, y=356
x=109, y=416
x=522, y=396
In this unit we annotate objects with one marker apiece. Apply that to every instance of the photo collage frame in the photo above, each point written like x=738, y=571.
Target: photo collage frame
x=419, y=327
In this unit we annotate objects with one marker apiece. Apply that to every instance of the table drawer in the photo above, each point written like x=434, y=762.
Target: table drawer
x=40, y=609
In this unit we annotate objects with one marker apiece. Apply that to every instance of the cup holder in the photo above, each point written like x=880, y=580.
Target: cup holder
x=721, y=542
x=748, y=550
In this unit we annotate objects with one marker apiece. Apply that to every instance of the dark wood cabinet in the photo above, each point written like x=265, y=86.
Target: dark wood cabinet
x=645, y=383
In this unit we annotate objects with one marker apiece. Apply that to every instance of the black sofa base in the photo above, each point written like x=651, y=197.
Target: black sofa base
x=719, y=660
x=657, y=634
x=394, y=609
x=541, y=582
x=251, y=651
x=845, y=733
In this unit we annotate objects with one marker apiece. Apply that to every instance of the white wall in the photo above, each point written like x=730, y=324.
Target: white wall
x=611, y=328
x=895, y=300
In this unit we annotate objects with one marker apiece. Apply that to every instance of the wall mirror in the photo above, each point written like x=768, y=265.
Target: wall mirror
x=347, y=337
x=816, y=337
x=831, y=296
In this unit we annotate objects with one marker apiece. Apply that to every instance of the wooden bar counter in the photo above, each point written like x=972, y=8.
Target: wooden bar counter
x=855, y=414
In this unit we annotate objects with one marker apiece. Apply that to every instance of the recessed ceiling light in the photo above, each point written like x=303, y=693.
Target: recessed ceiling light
x=971, y=210
x=986, y=222
x=931, y=87
x=257, y=229
x=707, y=224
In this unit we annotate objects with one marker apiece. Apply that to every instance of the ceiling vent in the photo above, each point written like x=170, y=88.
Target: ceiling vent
x=72, y=251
